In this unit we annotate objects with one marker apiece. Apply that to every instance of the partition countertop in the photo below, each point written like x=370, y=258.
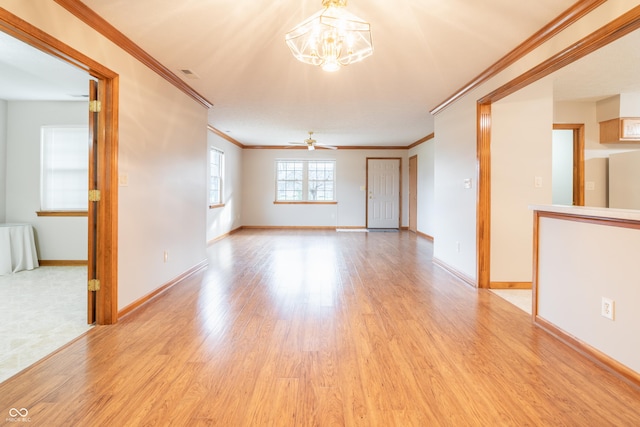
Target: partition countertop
x=592, y=212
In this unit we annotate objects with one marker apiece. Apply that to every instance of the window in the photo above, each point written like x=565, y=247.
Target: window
x=305, y=180
x=216, y=175
x=64, y=177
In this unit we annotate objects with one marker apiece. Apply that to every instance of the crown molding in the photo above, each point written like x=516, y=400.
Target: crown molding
x=95, y=21
x=567, y=18
x=420, y=141
x=342, y=147
x=225, y=136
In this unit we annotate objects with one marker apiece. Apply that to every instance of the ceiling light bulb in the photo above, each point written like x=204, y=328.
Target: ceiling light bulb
x=331, y=66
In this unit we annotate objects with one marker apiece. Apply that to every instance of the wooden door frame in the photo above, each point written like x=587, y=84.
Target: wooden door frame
x=413, y=190
x=107, y=165
x=621, y=26
x=578, y=159
x=366, y=193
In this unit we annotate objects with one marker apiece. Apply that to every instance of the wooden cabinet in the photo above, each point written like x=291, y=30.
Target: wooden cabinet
x=623, y=129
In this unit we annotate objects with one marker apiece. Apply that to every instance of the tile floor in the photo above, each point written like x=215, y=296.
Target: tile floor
x=40, y=311
x=521, y=298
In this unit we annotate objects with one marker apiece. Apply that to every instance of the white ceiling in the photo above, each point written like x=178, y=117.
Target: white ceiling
x=609, y=71
x=28, y=74
x=425, y=50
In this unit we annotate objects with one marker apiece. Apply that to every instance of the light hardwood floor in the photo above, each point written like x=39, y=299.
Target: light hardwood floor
x=290, y=328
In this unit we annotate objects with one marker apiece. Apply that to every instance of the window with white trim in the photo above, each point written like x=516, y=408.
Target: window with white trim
x=305, y=180
x=216, y=176
x=64, y=174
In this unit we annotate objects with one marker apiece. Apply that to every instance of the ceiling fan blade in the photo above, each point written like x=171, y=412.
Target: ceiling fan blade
x=328, y=147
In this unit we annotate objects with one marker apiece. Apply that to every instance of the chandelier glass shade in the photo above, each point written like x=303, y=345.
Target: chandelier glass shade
x=331, y=38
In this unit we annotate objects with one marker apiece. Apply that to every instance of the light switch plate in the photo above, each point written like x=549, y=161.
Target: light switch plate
x=537, y=182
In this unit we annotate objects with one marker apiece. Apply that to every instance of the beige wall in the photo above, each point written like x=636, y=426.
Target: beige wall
x=222, y=220
x=521, y=145
x=426, y=183
x=596, y=178
x=579, y=264
x=624, y=180
x=455, y=129
x=351, y=177
x=596, y=154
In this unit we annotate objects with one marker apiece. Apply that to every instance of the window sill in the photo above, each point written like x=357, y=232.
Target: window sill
x=221, y=205
x=305, y=203
x=62, y=213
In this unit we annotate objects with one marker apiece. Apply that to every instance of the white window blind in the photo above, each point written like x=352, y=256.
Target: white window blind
x=64, y=178
x=216, y=175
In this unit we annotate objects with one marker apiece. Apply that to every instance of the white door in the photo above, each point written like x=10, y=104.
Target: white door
x=383, y=193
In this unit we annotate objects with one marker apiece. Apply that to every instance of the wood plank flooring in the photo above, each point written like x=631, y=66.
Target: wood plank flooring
x=319, y=328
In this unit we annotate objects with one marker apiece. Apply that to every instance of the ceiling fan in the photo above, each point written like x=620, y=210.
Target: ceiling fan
x=312, y=143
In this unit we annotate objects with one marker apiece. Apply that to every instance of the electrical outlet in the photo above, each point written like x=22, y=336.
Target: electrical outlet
x=458, y=246
x=166, y=256
x=608, y=308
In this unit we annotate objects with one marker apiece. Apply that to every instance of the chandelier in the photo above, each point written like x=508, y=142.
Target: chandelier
x=331, y=38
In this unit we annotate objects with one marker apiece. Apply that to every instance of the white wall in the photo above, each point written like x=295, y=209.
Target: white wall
x=164, y=152
x=222, y=220
x=426, y=184
x=455, y=206
x=572, y=282
x=3, y=160
x=57, y=238
x=162, y=148
x=521, y=146
x=351, y=178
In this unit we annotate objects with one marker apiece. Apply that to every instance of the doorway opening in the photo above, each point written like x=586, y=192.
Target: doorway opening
x=101, y=307
x=568, y=164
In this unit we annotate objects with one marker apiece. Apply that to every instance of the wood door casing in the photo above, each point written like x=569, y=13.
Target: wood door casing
x=92, y=209
x=106, y=256
x=578, y=159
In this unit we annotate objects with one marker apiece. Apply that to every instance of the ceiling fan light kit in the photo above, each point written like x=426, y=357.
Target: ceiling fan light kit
x=331, y=38
x=312, y=143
